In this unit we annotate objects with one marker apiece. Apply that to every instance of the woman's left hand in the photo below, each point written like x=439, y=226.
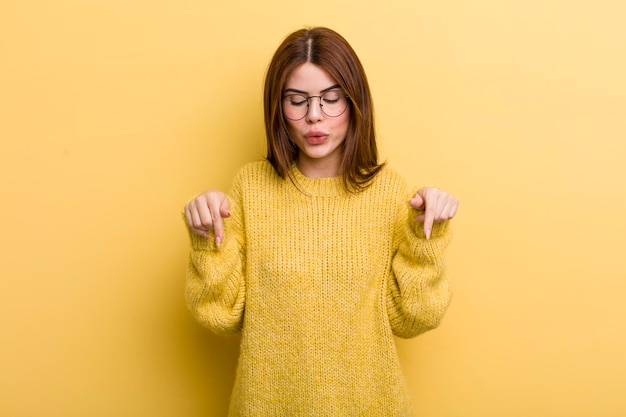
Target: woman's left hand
x=437, y=204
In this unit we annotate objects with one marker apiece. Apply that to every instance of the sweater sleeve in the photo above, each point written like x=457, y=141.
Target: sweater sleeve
x=418, y=292
x=215, y=290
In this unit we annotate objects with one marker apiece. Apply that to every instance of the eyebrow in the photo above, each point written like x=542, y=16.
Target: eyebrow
x=294, y=90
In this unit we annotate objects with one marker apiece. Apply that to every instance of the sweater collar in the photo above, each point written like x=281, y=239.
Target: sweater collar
x=317, y=187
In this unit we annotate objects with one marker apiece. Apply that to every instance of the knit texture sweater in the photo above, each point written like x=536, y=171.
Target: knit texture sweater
x=318, y=280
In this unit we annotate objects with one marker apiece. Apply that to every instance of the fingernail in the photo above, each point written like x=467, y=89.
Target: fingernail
x=218, y=240
x=427, y=234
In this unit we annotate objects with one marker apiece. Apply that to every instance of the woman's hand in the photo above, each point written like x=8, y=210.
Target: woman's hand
x=438, y=206
x=205, y=212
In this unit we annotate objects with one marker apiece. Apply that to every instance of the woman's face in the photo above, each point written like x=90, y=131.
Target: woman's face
x=318, y=136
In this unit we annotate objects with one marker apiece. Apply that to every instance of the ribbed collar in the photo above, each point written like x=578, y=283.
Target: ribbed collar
x=318, y=187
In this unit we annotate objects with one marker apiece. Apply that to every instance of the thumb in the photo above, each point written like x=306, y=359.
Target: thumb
x=225, y=207
x=417, y=202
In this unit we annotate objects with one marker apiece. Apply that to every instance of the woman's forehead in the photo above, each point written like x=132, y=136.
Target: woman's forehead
x=309, y=78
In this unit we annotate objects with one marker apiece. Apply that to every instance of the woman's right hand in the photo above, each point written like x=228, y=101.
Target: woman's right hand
x=205, y=212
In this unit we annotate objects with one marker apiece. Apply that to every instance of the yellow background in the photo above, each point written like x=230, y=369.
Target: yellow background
x=113, y=113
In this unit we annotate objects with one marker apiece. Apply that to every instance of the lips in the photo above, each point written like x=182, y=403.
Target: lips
x=315, y=137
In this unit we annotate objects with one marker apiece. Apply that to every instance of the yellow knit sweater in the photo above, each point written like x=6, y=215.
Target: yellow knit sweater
x=318, y=280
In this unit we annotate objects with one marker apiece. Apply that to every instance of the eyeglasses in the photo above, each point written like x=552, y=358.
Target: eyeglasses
x=333, y=104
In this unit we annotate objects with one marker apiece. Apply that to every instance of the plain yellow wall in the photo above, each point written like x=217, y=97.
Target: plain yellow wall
x=113, y=113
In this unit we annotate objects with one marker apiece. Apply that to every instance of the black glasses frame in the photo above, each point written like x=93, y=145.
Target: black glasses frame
x=308, y=104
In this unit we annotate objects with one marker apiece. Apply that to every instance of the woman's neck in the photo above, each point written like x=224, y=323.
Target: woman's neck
x=312, y=168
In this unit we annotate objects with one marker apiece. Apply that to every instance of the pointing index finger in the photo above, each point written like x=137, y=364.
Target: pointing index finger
x=429, y=216
x=216, y=218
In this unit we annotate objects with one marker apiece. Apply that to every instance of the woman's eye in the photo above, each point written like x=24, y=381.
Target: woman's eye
x=297, y=100
x=332, y=97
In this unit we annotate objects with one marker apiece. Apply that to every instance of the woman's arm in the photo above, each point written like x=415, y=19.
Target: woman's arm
x=215, y=289
x=418, y=292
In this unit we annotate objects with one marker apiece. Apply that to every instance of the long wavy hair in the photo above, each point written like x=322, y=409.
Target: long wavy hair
x=331, y=52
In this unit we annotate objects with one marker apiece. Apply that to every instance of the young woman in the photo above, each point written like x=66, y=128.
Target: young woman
x=318, y=255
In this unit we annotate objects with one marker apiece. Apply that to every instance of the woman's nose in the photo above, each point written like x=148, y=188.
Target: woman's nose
x=314, y=110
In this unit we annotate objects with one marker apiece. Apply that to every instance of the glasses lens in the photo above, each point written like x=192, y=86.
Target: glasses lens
x=295, y=106
x=333, y=103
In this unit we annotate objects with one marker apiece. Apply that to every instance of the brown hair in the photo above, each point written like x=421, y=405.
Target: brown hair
x=330, y=51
